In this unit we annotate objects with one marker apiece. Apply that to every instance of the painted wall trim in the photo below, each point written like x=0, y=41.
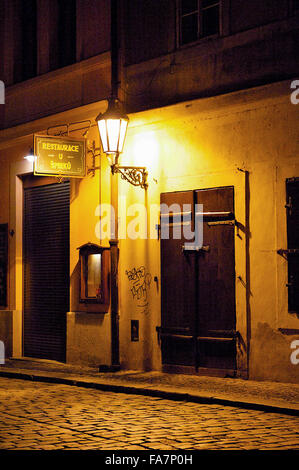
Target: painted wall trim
x=16, y=251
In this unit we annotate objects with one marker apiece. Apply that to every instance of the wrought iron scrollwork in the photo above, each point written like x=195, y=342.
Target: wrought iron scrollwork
x=137, y=176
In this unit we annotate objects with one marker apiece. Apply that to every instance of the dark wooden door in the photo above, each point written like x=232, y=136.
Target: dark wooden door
x=46, y=270
x=198, y=286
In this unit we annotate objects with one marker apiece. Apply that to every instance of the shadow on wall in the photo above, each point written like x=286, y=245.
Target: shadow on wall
x=2, y=353
x=271, y=353
x=75, y=189
x=75, y=286
x=87, y=330
x=6, y=332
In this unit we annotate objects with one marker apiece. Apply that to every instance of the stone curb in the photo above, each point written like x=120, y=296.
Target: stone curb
x=154, y=392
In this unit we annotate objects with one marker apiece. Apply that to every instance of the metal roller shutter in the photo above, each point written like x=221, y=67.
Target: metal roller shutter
x=46, y=270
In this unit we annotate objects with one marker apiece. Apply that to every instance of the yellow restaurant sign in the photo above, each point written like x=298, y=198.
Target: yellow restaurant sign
x=59, y=156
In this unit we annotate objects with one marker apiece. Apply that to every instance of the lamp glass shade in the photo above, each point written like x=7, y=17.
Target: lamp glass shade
x=112, y=128
x=122, y=134
x=112, y=133
x=103, y=134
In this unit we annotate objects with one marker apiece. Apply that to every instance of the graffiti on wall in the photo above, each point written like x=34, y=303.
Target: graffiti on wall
x=140, y=280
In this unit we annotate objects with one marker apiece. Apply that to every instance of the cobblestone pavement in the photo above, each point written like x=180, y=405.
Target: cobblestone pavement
x=44, y=416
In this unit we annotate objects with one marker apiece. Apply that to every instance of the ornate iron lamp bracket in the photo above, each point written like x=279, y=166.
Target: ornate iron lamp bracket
x=135, y=175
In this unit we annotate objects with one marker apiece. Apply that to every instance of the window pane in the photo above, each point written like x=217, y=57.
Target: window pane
x=189, y=6
x=67, y=32
x=29, y=39
x=94, y=275
x=189, y=29
x=210, y=21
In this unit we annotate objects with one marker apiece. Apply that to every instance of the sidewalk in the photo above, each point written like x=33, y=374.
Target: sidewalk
x=265, y=396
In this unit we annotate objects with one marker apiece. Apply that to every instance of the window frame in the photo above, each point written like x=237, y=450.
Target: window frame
x=200, y=38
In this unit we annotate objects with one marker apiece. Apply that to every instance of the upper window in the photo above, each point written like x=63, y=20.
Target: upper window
x=198, y=19
x=27, y=63
x=63, y=49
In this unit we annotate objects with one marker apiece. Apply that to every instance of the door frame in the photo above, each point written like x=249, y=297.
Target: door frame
x=15, y=252
x=30, y=181
x=17, y=171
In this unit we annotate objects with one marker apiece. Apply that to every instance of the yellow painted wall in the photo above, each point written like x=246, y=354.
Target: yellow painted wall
x=88, y=329
x=200, y=144
x=88, y=333
x=203, y=144
x=12, y=164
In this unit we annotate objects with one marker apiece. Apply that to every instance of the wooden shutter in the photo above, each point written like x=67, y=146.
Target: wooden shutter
x=292, y=206
x=216, y=281
x=198, y=286
x=3, y=264
x=178, y=286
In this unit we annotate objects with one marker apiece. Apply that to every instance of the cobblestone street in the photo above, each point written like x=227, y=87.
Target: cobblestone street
x=53, y=416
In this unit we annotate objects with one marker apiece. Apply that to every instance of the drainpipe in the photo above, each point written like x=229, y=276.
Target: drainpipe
x=114, y=249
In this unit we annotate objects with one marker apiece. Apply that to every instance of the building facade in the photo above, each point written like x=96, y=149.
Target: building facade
x=210, y=88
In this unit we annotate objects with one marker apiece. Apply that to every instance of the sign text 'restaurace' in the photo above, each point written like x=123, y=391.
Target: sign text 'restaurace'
x=59, y=156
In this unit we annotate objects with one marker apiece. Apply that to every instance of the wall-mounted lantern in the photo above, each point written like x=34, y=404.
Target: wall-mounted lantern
x=112, y=129
x=94, y=274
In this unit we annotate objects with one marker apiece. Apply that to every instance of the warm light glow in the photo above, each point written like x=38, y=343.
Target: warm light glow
x=145, y=150
x=30, y=157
